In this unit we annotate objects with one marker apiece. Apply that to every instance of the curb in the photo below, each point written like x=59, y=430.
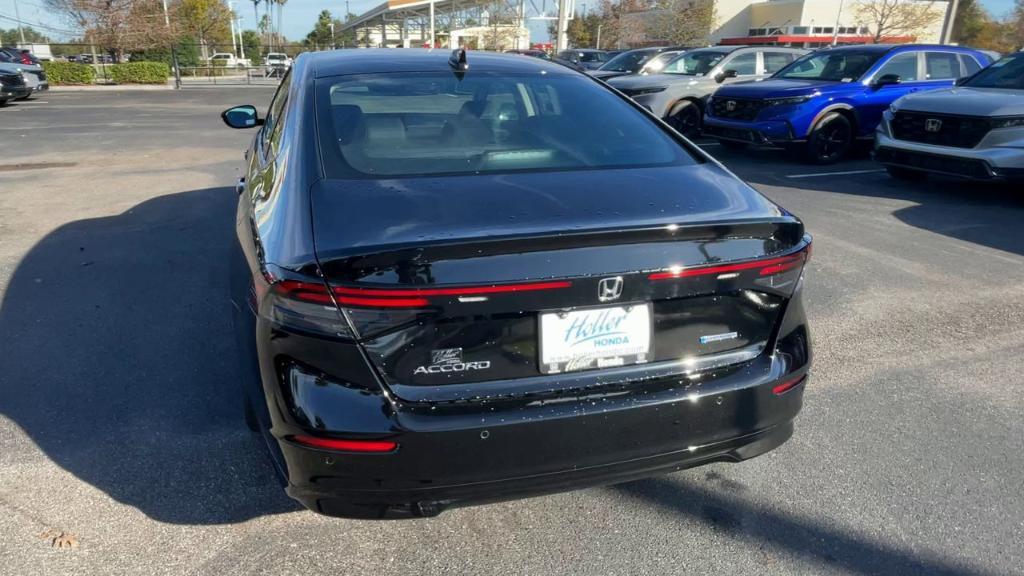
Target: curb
x=111, y=87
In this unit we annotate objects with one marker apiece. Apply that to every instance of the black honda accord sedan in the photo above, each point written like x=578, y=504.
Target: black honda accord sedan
x=467, y=278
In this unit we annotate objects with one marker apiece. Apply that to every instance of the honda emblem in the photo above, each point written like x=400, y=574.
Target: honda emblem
x=932, y=125
x=609, y=289
x=730, y=105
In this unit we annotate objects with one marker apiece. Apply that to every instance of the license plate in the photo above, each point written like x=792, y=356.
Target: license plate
x=595, y=338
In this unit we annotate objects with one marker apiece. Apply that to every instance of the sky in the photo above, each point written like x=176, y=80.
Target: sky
x=299, y=15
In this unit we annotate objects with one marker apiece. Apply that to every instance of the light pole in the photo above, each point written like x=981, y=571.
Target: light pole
x=17, y=16
x=947, y=33
x=835, y=31
x=174, y=55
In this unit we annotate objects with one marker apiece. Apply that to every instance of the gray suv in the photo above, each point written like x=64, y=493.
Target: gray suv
x=679, y=92
x=975, y=129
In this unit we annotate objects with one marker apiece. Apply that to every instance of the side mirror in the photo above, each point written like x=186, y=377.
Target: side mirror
x=887, y=80
x=241, y=117
x=725, y=75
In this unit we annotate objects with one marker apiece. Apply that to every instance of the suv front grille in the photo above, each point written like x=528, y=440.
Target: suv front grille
x=12, y=80
x=736, y=108
x=940, y=129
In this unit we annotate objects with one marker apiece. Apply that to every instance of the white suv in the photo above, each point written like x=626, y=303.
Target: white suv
x=975, y=129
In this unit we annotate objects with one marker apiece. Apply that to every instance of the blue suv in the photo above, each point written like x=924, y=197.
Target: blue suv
x=820, y=104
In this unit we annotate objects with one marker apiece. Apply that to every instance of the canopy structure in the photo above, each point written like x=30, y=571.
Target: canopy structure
x=492, y=24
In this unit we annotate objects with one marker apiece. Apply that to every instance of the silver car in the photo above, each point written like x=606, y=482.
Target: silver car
x=974, y=130
x=678, y=93
x=34, y=75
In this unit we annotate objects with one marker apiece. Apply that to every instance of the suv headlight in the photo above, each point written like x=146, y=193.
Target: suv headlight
x=790, y=101
x=1008, y=122
x=642, y=91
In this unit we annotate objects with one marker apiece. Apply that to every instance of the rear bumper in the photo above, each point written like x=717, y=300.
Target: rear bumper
x=456, y=455
x=331, y=496
x=769, y=132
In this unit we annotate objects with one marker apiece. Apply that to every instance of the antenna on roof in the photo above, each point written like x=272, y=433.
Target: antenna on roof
x=458, y=60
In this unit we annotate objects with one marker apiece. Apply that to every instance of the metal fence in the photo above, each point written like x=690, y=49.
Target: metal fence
x=231, y=76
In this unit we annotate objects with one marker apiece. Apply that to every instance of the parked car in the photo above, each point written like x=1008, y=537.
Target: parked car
x=586, y=57
x=12, y=87
x=19, y=55
x=459, y=280
x=228, y=59
x=974, y=130
x=821, y=104
x=12, y=61
x=678, y=93
x=629, y=62
x=531, y=52
x=277, y=60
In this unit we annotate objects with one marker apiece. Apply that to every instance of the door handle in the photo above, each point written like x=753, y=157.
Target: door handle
x=240, y=186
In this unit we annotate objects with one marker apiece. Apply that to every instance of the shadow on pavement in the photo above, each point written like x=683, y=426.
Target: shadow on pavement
x=816, y=541
x=984, y=213
x=118, y=361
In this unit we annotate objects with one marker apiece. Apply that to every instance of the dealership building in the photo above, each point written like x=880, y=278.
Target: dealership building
x=812, y=23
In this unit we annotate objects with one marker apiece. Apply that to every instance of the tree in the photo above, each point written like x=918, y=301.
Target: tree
x=682, y=22
x=116, y=26
x=891, y=18
x=12, y=36
x=251, y=42
x=623, y=22
x=207, y=20
x=323, y=30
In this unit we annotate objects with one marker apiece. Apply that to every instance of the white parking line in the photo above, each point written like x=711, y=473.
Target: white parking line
x=847, y=173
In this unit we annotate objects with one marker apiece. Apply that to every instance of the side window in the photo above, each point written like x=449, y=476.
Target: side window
x=775, y=61
x=971, y=66
x=272, y=125
x=904, y=65
x=744, y=64
x=941, y=66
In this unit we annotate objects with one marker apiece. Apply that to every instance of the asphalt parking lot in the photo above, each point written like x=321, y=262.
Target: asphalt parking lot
x=119, y=423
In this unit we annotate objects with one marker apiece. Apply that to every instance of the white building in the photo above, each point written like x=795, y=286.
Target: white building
x=810, y=23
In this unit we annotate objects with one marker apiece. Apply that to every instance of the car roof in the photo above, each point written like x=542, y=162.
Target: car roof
x=896, y=47
x=384, y=60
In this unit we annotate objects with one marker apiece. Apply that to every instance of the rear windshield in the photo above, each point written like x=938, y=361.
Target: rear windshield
x=627, y=61
x=839, y=66
x=1007, y=73
x=390, y=125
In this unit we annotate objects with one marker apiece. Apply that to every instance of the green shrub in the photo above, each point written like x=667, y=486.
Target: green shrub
x=140, y=73
x=69, y=73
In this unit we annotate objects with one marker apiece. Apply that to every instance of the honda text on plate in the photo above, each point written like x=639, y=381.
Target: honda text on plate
x=822, y=103
x=467, y=278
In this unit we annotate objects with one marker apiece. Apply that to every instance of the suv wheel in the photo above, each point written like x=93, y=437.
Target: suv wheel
x=3, y=102
x=685, y=117
x=830, y=139
x=901, y=173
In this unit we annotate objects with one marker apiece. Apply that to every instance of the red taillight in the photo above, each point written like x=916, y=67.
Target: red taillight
x=788, y=385
x=768, y=266
x=383, y=302
x=304, y=291
x=465, y=291
x=418, y=297
x=374, y=446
